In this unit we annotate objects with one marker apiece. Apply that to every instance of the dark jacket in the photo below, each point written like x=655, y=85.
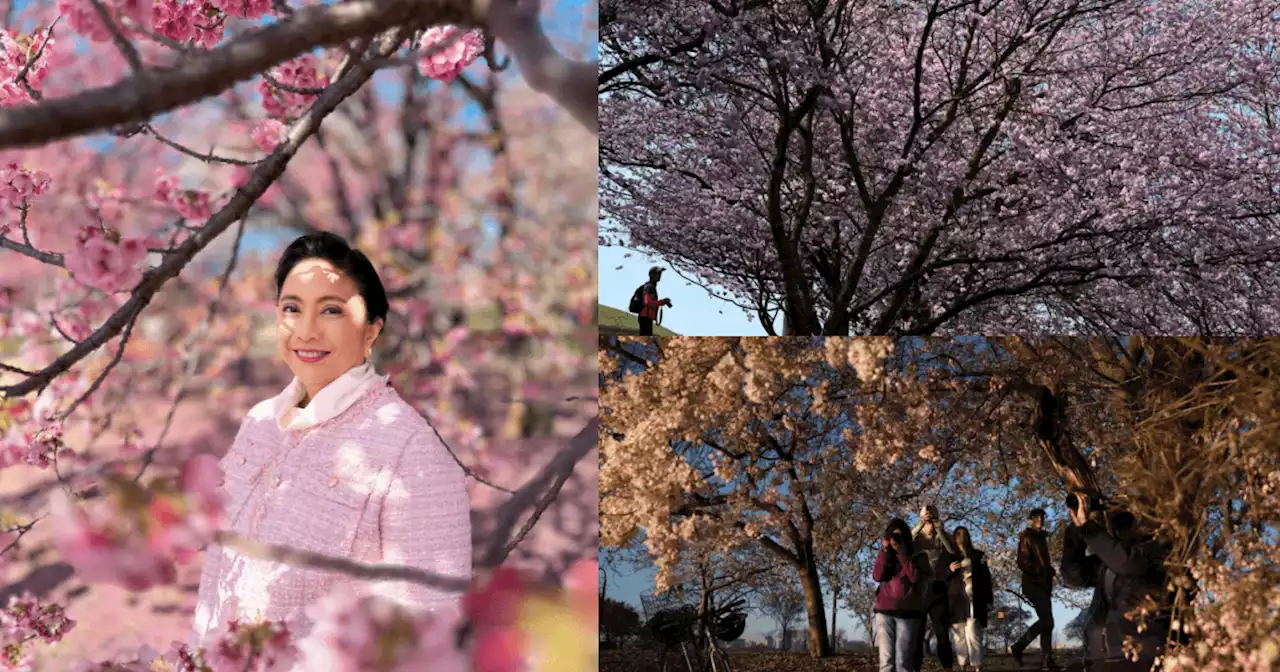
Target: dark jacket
x=1123, y=572
x=1034, y=560
x=983, y=591
x=902, y=585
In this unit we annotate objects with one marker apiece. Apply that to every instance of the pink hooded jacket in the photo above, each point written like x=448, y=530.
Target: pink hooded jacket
x=373, y=484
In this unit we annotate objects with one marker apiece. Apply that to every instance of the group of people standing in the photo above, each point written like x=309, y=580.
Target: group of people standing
x=928, y=576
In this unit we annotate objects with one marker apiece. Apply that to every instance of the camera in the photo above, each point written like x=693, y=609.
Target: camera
x=1096, y=503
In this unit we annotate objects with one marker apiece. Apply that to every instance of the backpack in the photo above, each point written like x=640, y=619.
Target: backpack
x=637, y=300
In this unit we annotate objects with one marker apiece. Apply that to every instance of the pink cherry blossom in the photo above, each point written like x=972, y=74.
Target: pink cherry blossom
x=269, y=133
x=109, y=266
x=448, y=62
x=19, y=183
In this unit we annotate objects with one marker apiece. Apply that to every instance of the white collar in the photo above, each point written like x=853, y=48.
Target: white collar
x=335, y=398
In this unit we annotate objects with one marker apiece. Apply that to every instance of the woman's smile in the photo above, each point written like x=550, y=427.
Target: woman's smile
x=310, y=356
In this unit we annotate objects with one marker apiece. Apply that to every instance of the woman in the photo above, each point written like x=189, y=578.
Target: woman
x=970, y=594
x=337, y=463
x=903, y=576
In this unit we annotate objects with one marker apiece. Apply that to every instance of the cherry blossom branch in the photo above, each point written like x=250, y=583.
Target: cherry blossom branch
x=537, y=494
x=155, y=91
x=150, y=92
x=21, y=530
x=50, y=258
x=123, y=43
x=14, y=369
x=210, y=157
x=31, y=60
x=196, y=353
x=572, y=84
x=115, y=359
x=465, y=469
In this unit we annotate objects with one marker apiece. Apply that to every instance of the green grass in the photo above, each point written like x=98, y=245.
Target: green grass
x=616, y=322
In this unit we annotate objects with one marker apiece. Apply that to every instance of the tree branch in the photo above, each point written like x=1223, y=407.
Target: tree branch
x=154, y=91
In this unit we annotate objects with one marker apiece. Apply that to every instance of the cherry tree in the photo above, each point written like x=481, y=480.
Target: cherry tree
x=130, y=290
x=977, y=166
x=804, y=447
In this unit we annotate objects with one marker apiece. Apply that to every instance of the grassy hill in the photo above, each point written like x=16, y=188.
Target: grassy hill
x=614, y=322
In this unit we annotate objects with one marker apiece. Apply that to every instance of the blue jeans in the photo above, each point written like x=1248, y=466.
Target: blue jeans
x=896, y=640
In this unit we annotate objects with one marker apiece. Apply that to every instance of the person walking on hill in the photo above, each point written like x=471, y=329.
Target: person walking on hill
x=645, y=302
x=902, y=573
x=933, y=540
x=1037, y=587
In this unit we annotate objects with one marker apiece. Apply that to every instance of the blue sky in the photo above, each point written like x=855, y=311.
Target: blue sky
x=695, y=312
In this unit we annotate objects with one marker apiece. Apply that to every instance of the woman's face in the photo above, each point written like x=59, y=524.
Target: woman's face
x=321, y=324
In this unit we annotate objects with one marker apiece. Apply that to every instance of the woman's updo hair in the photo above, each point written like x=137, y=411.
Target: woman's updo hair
x=333, y=249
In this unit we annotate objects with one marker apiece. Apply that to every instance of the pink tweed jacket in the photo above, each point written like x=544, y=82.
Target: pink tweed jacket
x=372, y=484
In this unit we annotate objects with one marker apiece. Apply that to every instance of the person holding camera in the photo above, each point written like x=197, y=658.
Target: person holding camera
x=1125, y=569
x=645, y=302
x=933, y=540
x=902, y=572
x=1037, y=587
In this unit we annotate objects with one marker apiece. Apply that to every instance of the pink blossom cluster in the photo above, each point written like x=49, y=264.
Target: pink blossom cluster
x=190, y=203
x=16, y=51
x=245, y=9
x=449, y=60
x=303, y=72
x=135, y=538
x=84, y=18
x=194, y=23
x=19, y=183
x=269, y=133
x=37, y=442
x=105, y=260
x=256, y=647
x=23, y=620
x=368, y=632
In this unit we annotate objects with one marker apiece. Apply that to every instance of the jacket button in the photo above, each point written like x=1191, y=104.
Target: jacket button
x=333, y=481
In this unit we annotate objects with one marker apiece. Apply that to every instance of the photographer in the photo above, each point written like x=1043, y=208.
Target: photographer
x=645, y=302
x=902, y=573
x=1126, y=567
x=933, y=540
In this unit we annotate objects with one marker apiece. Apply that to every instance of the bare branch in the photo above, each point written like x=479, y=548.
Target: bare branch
x=126, y=47
x=97, y=382
x=209, y=157
x=195, y=351
x=537, y=494
x=299, y=558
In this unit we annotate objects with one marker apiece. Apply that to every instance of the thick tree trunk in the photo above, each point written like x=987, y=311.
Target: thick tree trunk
x=1055, y=439
x=819, y=645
